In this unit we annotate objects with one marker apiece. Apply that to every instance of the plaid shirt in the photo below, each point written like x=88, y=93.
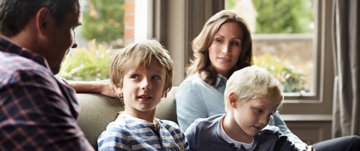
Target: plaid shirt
x=37, y=110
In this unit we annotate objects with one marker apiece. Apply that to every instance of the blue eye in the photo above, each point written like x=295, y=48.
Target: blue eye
x=156, y=77
x=135, y=76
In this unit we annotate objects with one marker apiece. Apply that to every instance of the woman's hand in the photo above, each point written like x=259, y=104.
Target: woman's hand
x=105, y=88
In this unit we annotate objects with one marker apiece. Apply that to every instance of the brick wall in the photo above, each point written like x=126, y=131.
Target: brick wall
x=129, y=21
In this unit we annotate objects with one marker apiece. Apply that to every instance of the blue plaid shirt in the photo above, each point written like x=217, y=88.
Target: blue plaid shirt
x=37, y=110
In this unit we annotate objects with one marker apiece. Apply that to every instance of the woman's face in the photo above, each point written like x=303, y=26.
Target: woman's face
x=226, y=47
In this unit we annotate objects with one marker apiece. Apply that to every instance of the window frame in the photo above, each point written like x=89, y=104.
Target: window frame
x=321, y=102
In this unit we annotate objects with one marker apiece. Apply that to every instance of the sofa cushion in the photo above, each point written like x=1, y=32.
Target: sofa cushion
x=97, y=111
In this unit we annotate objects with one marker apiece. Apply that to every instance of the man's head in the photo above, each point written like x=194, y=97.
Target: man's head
x=42, y=26
x=15, y=14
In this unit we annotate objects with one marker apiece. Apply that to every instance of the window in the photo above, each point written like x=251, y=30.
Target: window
x=101, y=32
x=101, y=23
x=309, y=50
x=283, y=33
x=108, y=25
x=307, y=53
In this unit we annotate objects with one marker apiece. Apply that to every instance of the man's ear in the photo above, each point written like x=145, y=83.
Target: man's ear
x=42, y=19
x=232, y=99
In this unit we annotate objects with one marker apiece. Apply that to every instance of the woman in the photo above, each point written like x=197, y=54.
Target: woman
x=223, y=46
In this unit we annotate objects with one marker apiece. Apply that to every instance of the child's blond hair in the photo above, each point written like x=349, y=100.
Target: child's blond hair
x=140, y=54
x=252, y=82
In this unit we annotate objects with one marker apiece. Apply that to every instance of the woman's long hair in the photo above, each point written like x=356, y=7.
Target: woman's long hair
x=201, y=62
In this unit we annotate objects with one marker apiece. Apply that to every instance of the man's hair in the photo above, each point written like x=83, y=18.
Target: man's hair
x=15, y=14
x=201, y=62
x=252, y=82
x=140, y=54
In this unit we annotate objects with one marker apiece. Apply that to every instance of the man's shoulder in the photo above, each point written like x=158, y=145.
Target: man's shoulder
x=25, y=72
x=12, y=63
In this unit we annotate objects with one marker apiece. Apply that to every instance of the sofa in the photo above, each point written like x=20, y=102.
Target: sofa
x=97, y=111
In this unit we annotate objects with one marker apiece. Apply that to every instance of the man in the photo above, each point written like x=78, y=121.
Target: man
x=37, y=110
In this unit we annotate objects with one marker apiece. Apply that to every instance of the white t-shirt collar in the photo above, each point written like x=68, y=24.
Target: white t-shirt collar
x=228, y=139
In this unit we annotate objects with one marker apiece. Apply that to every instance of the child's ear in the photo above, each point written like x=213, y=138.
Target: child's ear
x=232, y=99
x=165, y=91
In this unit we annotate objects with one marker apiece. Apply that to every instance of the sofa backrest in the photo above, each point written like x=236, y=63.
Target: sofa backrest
x=97, y=111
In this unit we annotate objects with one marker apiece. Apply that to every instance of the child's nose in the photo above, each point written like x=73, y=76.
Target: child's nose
x=145, y=84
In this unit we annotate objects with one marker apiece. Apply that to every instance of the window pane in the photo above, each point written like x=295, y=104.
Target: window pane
x=104, y=21
x=283, y=33
x=101, y=32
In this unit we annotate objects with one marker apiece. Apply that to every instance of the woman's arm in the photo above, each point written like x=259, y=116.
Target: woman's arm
x=102, y=87
x=278, y=122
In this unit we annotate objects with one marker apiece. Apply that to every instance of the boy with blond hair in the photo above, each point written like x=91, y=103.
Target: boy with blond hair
x=141, y=74
x=252, y=96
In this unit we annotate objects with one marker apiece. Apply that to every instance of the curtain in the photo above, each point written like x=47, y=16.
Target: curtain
x=346, y=103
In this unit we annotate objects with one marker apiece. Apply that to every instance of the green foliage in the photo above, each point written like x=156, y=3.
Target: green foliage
x=230, y=4
x=293, y=79
x=103, y=20
x=281, y=16
x=87, y=64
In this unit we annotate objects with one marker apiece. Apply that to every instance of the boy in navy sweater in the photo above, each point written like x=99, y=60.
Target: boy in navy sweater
x=252, y=96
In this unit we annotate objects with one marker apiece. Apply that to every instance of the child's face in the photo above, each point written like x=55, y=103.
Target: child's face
x=143, y=88
x=254, y=115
